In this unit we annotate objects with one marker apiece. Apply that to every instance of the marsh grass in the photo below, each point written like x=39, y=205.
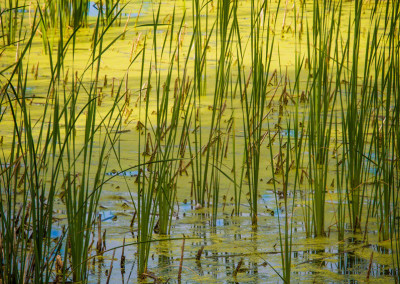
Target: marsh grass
x=291, y=151
x=356, y=124
x=340, y=103
x=224, y=35
x=23, y=168
x=44, y=156
x=82, y=190
x=199, y=172
x=157, y=189
x=12, y=21
x=167, y=130
x=254, y=103
x=206, y=169
x=394, y=199
x=323, y=90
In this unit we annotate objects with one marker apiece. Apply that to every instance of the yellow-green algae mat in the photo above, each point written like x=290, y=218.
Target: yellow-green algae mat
x=320, y=260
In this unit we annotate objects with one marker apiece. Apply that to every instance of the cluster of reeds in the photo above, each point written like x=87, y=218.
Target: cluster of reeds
x=323, y=85
x=12, y=21
x=353, y=97
x=75, y=13
x=45, y=161
x=161, y=160
x=254, y=100
x=290, y=152
x=360, y=76
x=384, y=158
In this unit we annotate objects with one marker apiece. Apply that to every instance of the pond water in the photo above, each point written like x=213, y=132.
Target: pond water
x=232, y=239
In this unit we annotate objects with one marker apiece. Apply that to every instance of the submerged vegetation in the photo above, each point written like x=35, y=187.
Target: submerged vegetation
x=199, y=141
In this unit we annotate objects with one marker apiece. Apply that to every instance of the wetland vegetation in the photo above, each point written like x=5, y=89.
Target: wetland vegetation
x=243, y=141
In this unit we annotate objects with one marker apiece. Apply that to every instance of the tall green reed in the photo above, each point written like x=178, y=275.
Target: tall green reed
x=199, y=164
x=166, y=132
x=340, y=182
x=395, y=224
x=52, y=155
x=148, y=197
x=145, y=203
x=83, y=183
x=224, y=34
x=27, y=251
x=322, y=86
x=254, y=100
x=356, y=120
x=385, y=126
x=291, y=161
x=12, y=14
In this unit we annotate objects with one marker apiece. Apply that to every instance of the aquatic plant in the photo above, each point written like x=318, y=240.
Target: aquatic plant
x=253, y=104
x=198, y=165
x=50, y=157
x=292, y=158
x=207, y=78
x=165, y=133
x=23, y=168
x=12, y=15
x=82, y=195
x=321, y=88
x=356, y=122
